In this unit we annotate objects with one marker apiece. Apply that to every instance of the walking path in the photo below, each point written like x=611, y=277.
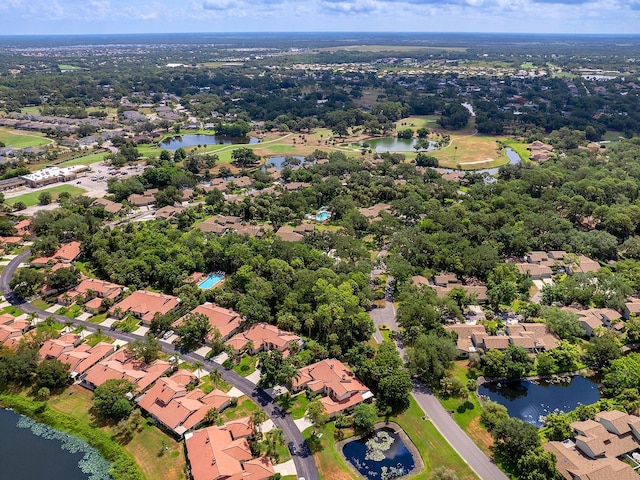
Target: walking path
x=303, y=461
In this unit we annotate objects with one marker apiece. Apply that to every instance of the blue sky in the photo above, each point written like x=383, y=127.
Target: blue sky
x=157, y=16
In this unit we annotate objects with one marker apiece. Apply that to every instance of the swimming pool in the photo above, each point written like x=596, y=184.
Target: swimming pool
x=211, y=281
x=322, y=216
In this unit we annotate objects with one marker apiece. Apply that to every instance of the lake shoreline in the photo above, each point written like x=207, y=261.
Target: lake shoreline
x=123, y=466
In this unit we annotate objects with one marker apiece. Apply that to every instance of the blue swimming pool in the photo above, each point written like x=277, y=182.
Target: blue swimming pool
x=211, y=281
x=322, y=216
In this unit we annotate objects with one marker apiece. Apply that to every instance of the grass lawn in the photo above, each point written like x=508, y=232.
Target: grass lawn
x=296, y=406
x=30, y=110
x=417, y=121
x=72, y=311
x=467, y=412
x=470, y=152
x=40, y=303
x=15, y=139
x=245, y=408
x=68, y=67
x=85, y=160
x=127, y=325
x=98, y=318
x=150, y=151
x=207, y=385
x=519, y=147
x=433, y=448
x=246, y=366
x=95, y=338
x=31, y=199
x=11, y=310
x=145, y=445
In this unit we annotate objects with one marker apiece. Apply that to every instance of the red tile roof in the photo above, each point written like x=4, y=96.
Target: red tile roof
x=145, y=304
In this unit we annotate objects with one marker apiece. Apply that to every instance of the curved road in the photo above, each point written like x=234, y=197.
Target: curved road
x=304, y=462
x=433, y=409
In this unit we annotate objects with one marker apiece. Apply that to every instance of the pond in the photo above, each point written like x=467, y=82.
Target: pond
x=33, y=451
x=193, y=140
x=394, y=144
x=280, y=162
x=381, y=455
x=530, y=401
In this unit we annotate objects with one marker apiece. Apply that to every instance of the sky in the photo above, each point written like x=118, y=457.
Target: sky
x=41, y=17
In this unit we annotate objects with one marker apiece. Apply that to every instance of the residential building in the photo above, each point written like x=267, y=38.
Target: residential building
x=264, y=337
x=123, y=365
x=226, y=321
x=171, y=402
x=144, y=304
x=92, y=287
x=214, y=453
x=342, y=390
x=599, y=448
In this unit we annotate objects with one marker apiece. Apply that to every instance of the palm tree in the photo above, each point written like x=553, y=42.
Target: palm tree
x=256, y=420
x=275, y=438
x=215, y=375
x=81, y=329
x=198, y=366
x=68, y=324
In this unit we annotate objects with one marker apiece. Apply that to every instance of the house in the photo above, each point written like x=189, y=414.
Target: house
x=444, y=283
x=144, y=304
x=92, y=287
x=143, y=200
x=342, y=389
x=214, y=453
x=108, y=205
x=23, y=227
x=375, y=210
x=67, y=253
x=631, y=307
x=535, y=271
x=286, y=233
x=465, y=333
x=599, y=448
x=264, y=337
x=122, y=364
x=592, y=318
x=171, y=402
x=83, y=357
x=168, y=212
x=226, y=321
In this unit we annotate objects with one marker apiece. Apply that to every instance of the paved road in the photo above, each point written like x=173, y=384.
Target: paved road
x=450, y=430
x=304, y=462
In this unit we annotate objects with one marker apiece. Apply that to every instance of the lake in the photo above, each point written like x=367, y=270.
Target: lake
x=280, y=162
x=32, y=451
x=529, y=401
x=193, y=140
x=382, y=451
x=394, y=144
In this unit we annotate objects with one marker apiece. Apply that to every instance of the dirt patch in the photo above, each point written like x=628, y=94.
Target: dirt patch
x=480, y=436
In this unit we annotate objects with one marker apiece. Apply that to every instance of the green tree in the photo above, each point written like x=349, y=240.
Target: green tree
x=514, y=438
x=26, y=282
x=563, y=323
x=538, y=465
x=601, y=351
x=193, y=331
x=492, y=414
x=52, y=374
x=317, y=414
x=44, y=198
x=557, y=427
x=394, y=390
x=443, y=473
x=364, y=418
x=146, y=350
x=275, y=369
x=244, y=157
x=111, y=399
x=431, y=357
x=621, y=374
x=63, y=278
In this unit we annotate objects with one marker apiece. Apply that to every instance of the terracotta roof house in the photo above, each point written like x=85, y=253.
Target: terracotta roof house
x=585, y=265
x=101, y=289
x=444, y=283
x=171, y=403
x=226, y=321
x=332, y=378
x=168, y=212
x=597, y=448
x=55, y=347
x=592, y=318
x=83, y=357
x=214, y=454
x=537, y=272
x=68, y=252
x=23, y=227
x=122, y=365
x=534, y=337
x=144, y=304
x=264, y=337
x=10, y=334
